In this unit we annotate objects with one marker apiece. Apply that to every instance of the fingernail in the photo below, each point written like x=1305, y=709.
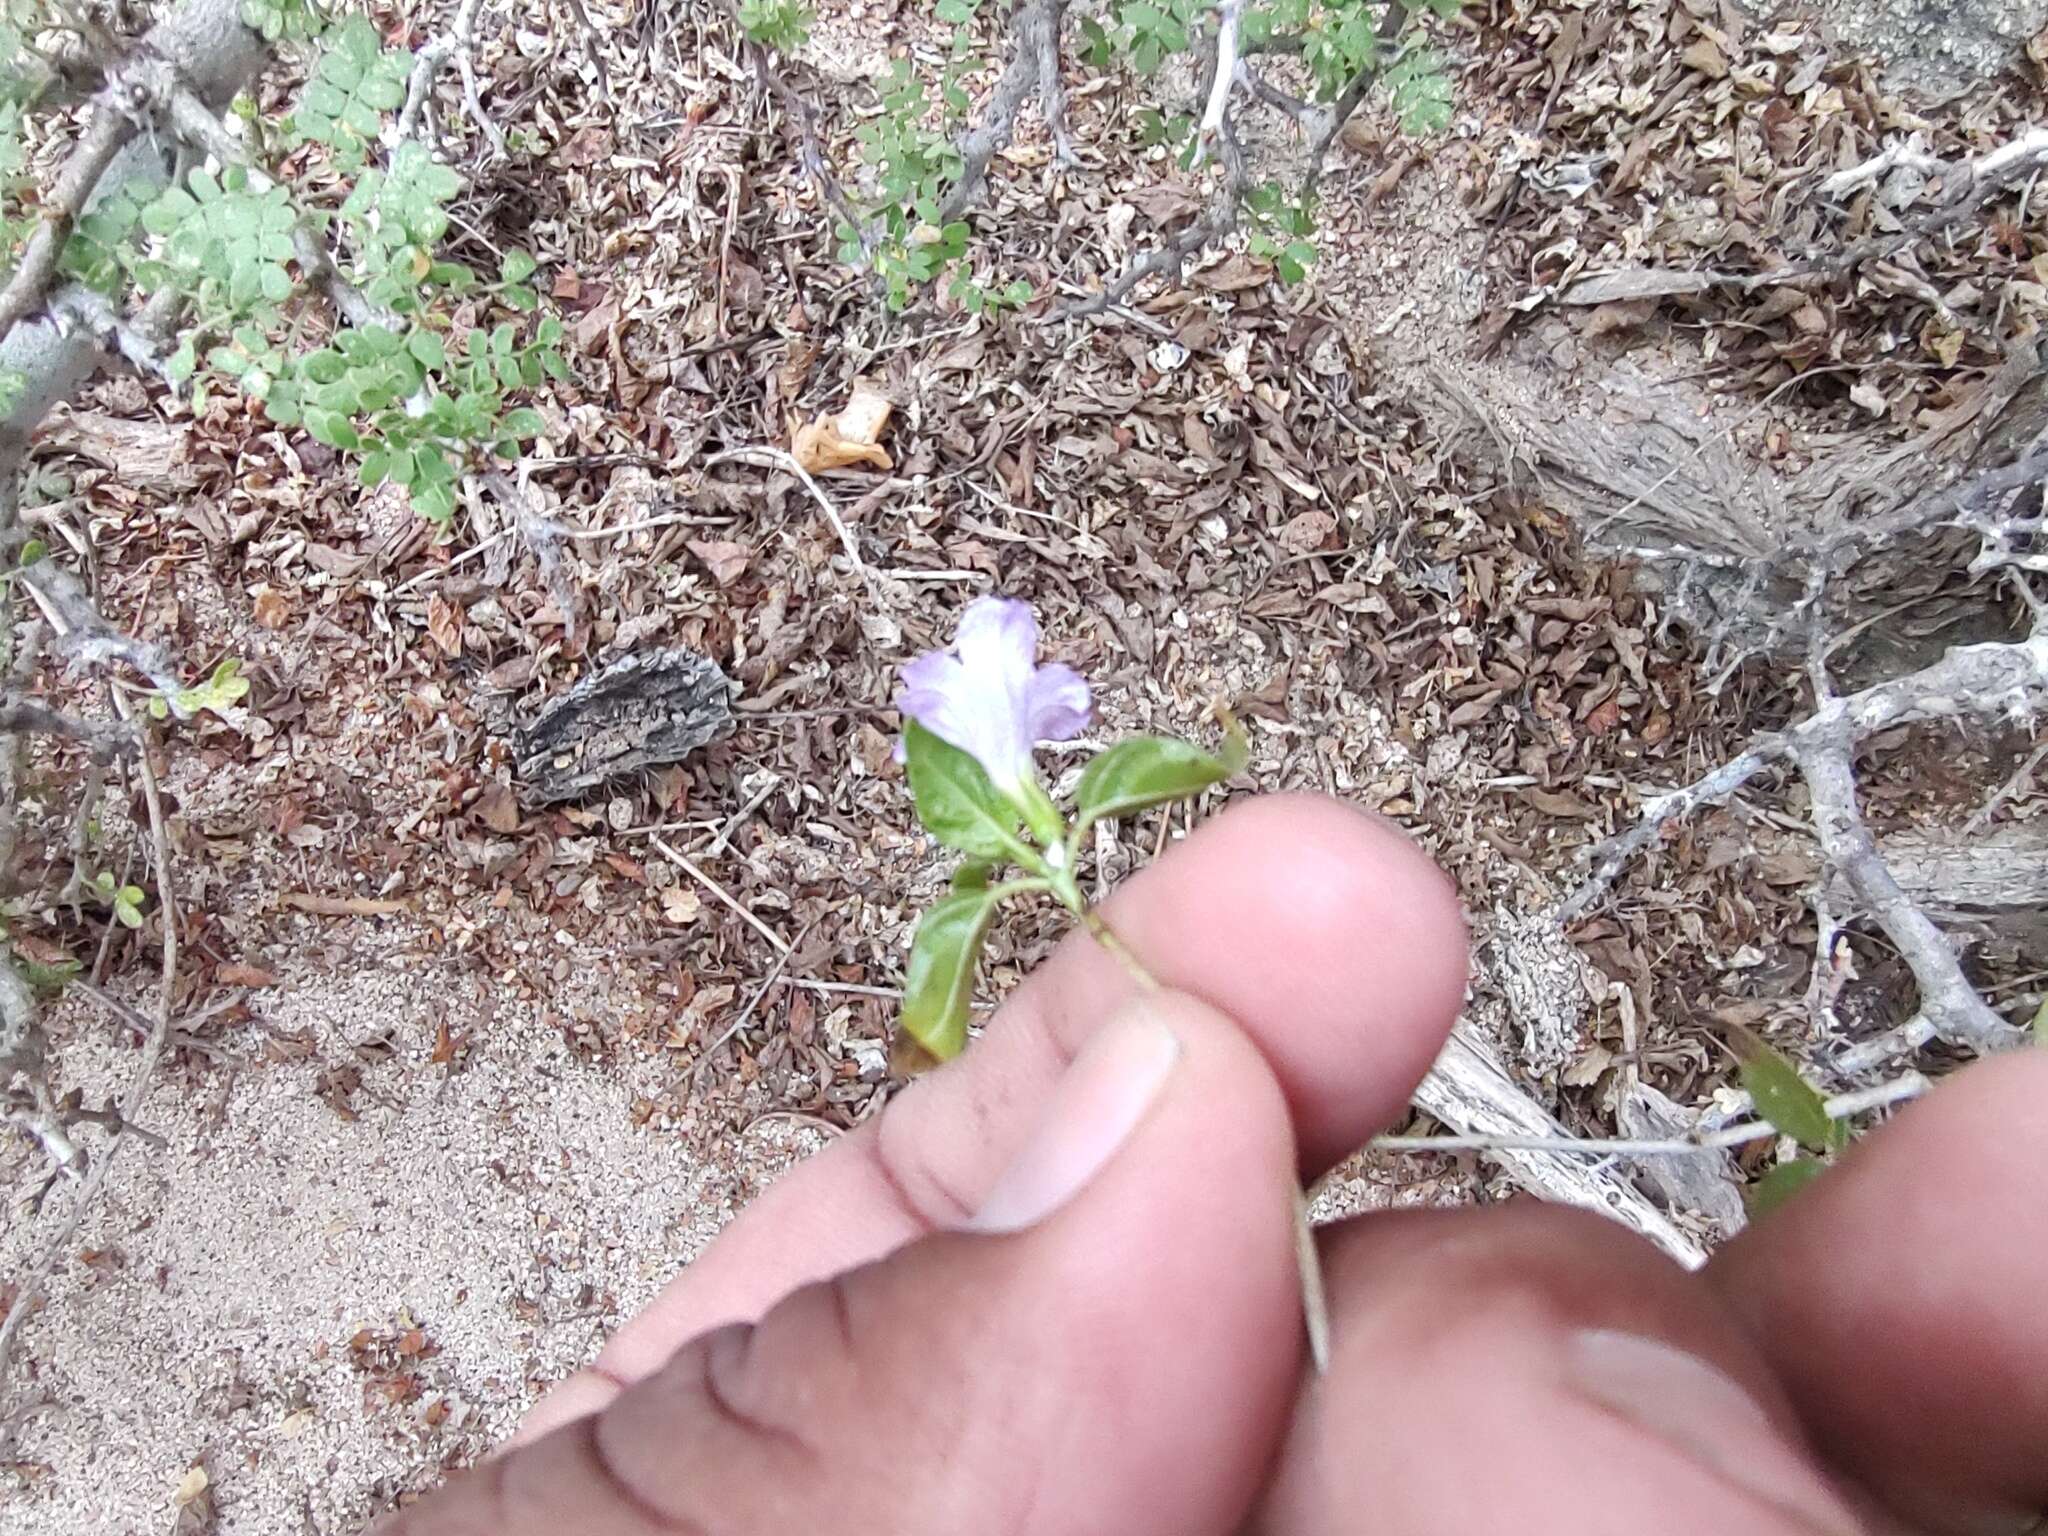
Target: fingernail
x=1703, y=1413
x=1094, y=1108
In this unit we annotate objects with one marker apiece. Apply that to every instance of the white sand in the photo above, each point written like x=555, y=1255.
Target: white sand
x=511, y=1212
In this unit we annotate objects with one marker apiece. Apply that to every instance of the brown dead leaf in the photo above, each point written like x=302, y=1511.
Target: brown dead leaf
x=726, y=561
x=1235, y=274
x=1307, y=531
x=1625, y=315
x=497, y=809
x=852, y=436
x=237, y=973
x=444, y=624
x=1705, y=57
x=271, y=609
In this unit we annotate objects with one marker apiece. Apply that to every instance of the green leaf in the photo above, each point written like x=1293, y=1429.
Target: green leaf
x=955, y=799
x=524, y=422
x=1785, y=1099
x=939, y=984
x=219, y=693
x=972, y=876
x=1782, y=1183
x=1145, y=771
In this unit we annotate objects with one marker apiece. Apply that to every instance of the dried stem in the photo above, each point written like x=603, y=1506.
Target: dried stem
x=104, y=741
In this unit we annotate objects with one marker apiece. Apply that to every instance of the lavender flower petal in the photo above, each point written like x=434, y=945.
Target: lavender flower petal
x=1059, y=703
x=987, y=697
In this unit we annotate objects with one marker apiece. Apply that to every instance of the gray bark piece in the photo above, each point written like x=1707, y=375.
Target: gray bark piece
x=1993, y=880
x=644, y=711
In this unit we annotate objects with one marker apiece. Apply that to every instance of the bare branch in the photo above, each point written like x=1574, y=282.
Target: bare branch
x=1222, y=78
x=1947, y=1000
x=1979, y=681
x=115, y=119
x=89, y=638
x=1353, y=96
x=202, y=44
x=1037, y=28
x=105, y=741
x=1216, y=221
x=810, y=151
x=142, y=344
x=458, y=43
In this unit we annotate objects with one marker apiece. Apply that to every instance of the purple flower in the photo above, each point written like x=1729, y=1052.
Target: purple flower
x=988, y=697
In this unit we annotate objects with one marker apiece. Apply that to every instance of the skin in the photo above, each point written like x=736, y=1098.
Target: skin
x=845, y=1358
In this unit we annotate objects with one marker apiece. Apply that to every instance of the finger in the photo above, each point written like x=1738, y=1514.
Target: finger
x=1539, y=1370
x=1326, y=932
x=1119, y=1354
x=1900, y=1300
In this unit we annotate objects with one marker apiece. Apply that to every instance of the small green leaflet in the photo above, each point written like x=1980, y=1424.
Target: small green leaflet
x=955, y=800
x=1145, y=771
x=940, y=982
x=1785, y=1099
x=219, y=693
x=1782, y=1183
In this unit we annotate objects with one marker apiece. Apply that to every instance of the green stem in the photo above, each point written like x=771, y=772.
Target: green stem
x=1010, y=888
x=1315, y=1307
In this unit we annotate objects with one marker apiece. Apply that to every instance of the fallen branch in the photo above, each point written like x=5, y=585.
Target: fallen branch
x=1468, y=1090
x=1979, y=681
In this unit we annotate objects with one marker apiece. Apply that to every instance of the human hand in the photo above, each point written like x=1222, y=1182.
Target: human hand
x=1052, y=1288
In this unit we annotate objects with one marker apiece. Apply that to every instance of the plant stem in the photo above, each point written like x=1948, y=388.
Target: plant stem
x=1315, y=1307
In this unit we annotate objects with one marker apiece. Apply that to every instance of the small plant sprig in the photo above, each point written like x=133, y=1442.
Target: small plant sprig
x=973, y=715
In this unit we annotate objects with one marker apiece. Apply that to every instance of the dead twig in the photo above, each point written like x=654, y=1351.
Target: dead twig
x=1911, y=1086
x=776, y=458
x=1036, y=27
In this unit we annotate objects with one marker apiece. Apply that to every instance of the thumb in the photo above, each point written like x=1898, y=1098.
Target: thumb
x=1113, y=1343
